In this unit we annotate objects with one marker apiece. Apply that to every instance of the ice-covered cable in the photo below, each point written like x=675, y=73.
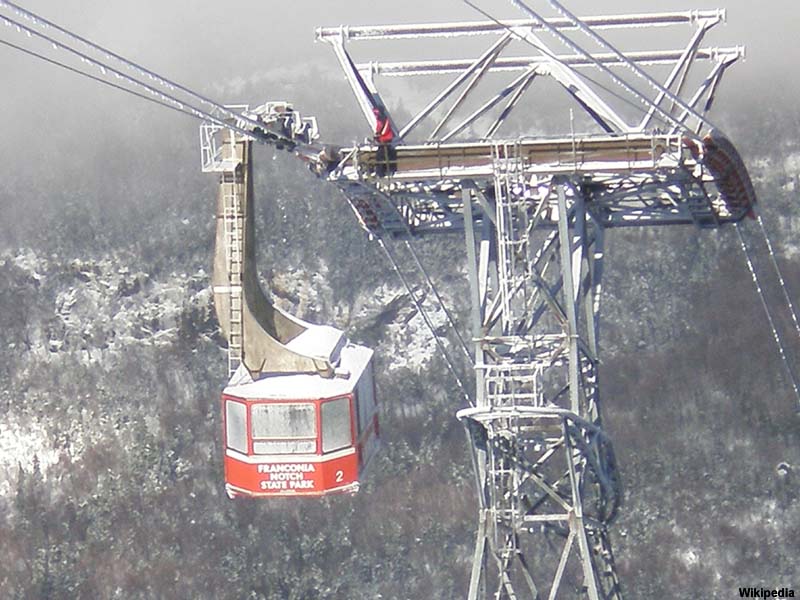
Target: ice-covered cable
x=429, y=281
x=635, y=69
x=439, y=299
x=165, y=98
x=427, y=320
x=780, y=276
x=95, y=78
x=636, y=105
x=764, y=304
x=109, y=55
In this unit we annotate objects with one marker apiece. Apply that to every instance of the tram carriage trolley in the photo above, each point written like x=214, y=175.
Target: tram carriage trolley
x=300, y=434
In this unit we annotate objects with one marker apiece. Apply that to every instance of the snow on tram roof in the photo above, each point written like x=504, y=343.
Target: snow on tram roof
x=306, y=386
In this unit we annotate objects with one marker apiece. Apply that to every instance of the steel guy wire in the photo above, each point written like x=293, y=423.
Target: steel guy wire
x=427, y=277
x=439, y=299
x=425, y=318
x=396, y=267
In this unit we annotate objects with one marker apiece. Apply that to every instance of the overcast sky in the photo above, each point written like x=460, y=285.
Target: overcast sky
x=220, y=40
x=208, y=45
x=178, y=28
x=217, y=47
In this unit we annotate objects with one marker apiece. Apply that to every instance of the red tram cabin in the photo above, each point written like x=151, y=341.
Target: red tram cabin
x=301, y=434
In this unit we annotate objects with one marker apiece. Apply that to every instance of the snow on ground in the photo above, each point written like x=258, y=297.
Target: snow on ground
x=102, y=307
x=93, y=310
x=410, y=340
x=21, y=447
x=791, y=163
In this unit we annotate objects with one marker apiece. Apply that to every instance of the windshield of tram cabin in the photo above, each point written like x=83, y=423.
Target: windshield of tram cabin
x=336, y=424
x=284, y=428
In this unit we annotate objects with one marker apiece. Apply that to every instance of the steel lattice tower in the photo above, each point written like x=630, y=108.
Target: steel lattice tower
x=545, y=466
x=534, y=211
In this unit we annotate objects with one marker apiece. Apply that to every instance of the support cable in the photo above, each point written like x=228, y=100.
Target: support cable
x=109, y=55
x=97, y=79
x=164, y=97
x=439, y=299
x=427, y=320
x=780, y=276
x=630, y=64
x=775, y=333
x=428, y=280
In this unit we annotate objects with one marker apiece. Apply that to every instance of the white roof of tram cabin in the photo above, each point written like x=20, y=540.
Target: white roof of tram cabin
x=319, y=341
x=305, y=386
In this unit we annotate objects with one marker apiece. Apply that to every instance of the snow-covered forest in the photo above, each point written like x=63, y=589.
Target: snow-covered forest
x=111, y=363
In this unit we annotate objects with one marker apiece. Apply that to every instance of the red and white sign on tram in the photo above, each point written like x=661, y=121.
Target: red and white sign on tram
x=301, y=434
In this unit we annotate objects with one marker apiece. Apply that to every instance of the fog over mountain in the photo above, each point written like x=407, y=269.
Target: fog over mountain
x=111, y=361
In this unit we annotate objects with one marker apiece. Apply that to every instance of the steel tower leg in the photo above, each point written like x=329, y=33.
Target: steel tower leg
x=545, y=469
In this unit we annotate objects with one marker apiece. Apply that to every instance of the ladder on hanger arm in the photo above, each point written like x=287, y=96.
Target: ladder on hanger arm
x=261, y=337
